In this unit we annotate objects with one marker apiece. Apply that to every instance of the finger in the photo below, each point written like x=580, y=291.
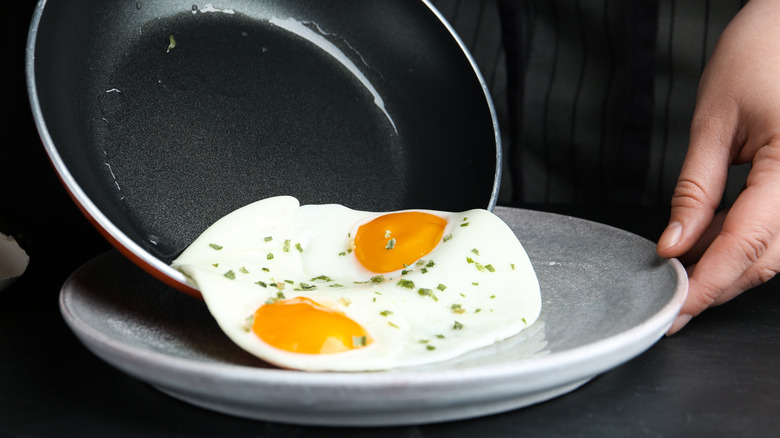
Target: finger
x=702, y=180
x=701, y=245
x=745, y=253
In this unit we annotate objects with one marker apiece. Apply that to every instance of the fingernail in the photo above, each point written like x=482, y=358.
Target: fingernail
x=670, y=236
x=679, y=323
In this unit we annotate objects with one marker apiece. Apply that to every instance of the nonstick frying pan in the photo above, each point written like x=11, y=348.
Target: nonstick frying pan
x=162, y=116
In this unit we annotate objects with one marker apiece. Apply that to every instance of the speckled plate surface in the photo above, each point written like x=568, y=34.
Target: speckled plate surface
x=606, y=298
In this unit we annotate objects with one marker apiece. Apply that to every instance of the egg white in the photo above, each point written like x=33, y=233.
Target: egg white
x=475, y=288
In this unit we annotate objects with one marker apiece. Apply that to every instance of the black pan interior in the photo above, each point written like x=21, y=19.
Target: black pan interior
x=169, y=115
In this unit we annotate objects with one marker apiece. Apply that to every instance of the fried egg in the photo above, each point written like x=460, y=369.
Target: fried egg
x=329, y=288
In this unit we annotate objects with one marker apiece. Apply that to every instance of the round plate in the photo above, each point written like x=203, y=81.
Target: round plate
x=606, y=297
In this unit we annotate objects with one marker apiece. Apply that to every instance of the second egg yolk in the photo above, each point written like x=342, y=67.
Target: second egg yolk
x=300, y=325
x=396, y=240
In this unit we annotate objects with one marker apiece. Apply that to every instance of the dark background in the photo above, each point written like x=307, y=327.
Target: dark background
x=718, y=377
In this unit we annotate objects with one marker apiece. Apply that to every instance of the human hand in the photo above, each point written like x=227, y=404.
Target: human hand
x=736, y=120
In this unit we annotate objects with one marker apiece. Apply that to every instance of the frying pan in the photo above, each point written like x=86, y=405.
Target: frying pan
x=160, y=117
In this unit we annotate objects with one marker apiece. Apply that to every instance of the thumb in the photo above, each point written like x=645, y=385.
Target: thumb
x=700, y=185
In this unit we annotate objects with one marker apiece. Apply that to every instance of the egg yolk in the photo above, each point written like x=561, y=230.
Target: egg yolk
x=300, y=325
x=397, y=240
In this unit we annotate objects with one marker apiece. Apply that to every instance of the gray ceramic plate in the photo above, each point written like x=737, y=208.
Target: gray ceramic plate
x=606, y=298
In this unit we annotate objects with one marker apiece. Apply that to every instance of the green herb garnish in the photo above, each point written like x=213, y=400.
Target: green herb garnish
x=409, y=284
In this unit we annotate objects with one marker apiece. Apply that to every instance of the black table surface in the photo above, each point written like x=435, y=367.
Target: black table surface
x=720, y=376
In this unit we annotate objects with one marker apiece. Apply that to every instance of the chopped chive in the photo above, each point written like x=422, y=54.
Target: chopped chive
x=286, y=246
x=248, y=322
x=469, y=260
x=465, y=224
x=390, y=244
x=390, y=323
x=377, y=279
x=270, y=256
x=441, y=287
x=430, y=264
x=266, y=270
x=216, y=265
x=475, y=251
x=440, y=336
x=359, y=341
x=230, y=274
x=243, y=270
x=474, y=283
x=430, y=347
x=424, y=291
x=307, y=286
x=268, y=238
x=424, y=270
x=490, y=268
x=289, y=281
x=342, y=253
x=321, y=277
x=261, y=283
x=479, y=267
x=409, y=284
x=457, y=326
x=385, y=313
x=215, y=246
x=299, y=247
x=513, y=266
x=447, y=237
x=335, y=285
x=280, y=295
